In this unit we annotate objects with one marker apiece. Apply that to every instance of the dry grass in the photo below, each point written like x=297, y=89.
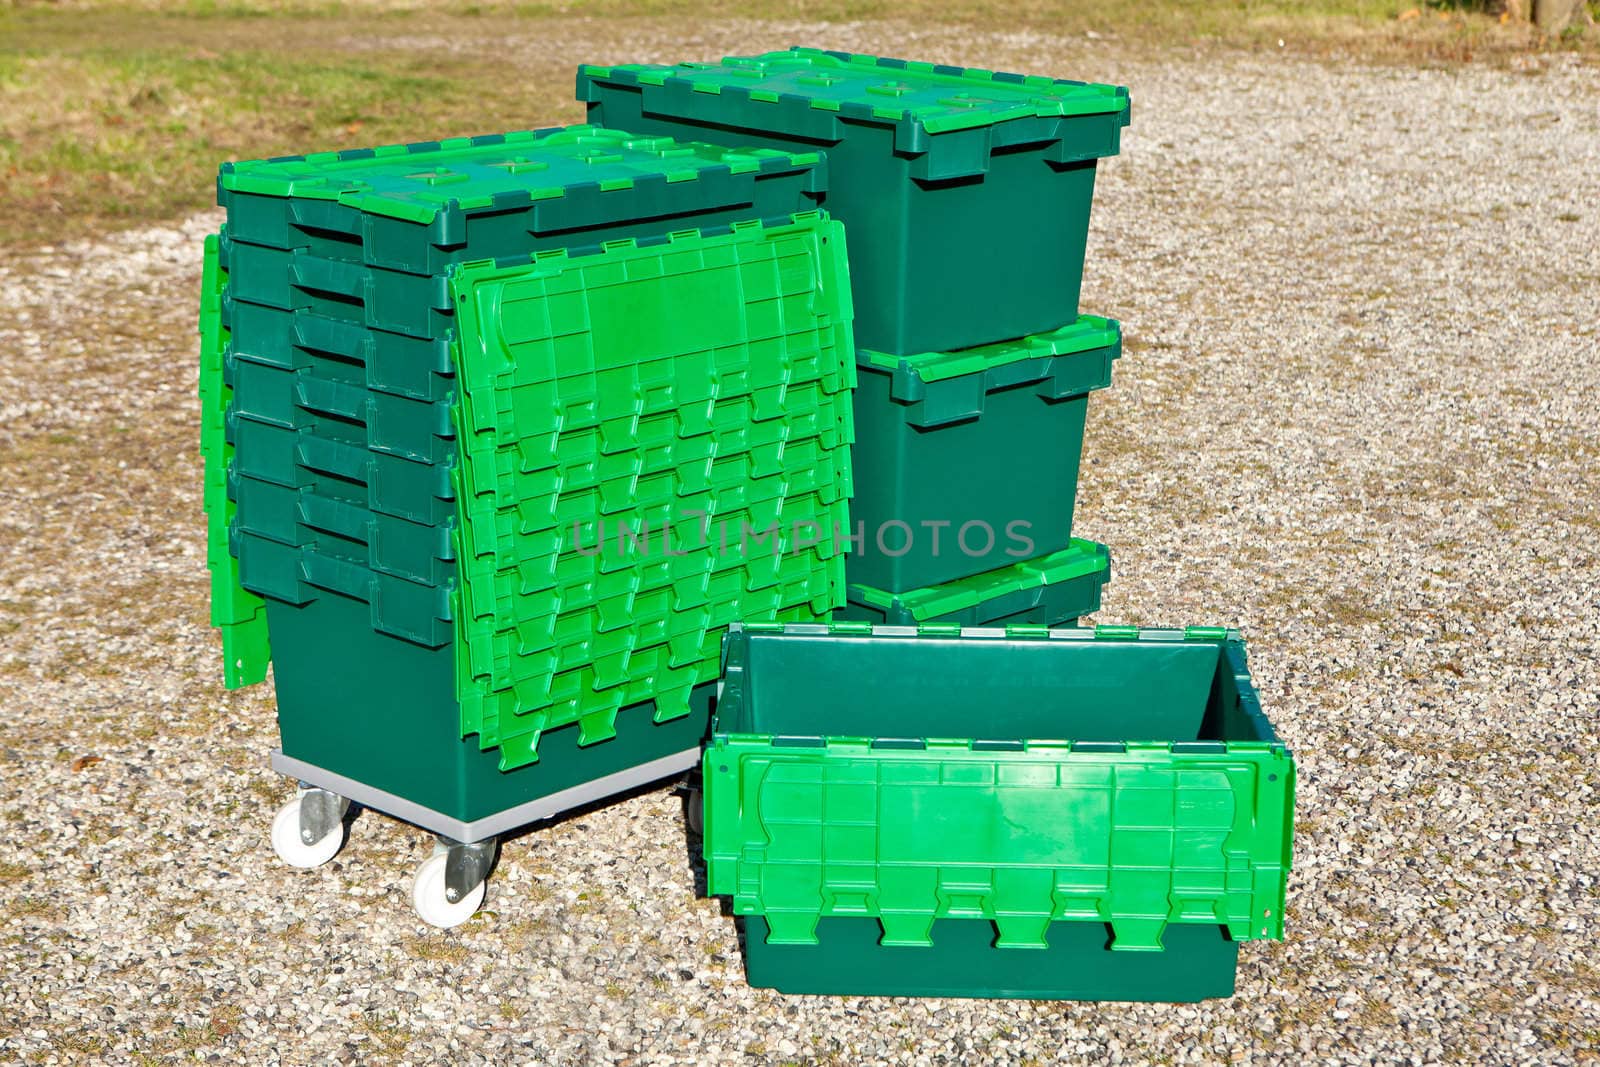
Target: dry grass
x=114, y=114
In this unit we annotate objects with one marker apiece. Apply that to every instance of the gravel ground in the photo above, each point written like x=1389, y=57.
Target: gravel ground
x=1356, y=418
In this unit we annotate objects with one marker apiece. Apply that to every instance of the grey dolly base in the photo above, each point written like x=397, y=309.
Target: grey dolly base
x=500, y=822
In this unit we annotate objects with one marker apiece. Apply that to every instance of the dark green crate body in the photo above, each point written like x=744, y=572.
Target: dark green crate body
x=382, y=711
x=1196, y=963
x=977, y=237
x=994, y=447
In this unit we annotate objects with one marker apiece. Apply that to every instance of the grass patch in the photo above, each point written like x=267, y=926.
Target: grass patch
x=109, y=125
x=438, y=949
x=118, y=114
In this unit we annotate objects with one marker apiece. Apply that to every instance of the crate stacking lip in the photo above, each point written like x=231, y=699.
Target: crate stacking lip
x=1048, y=590
x=966, y=192
x=1024, y=779
x=668, y=382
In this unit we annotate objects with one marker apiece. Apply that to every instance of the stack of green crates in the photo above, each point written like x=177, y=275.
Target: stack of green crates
x=437, y=376
x=546, y=465
x=966, y=194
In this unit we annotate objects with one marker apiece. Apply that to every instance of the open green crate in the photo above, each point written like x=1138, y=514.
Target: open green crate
x=966, y=192
x=1076, y=813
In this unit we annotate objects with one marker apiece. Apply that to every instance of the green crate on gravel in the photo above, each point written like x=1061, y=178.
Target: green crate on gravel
x=1051, y=590
x=966, y=192
x=663, y=385
x=569, y=675
x=1063, y=814
x=967, y=461
x=239, y=615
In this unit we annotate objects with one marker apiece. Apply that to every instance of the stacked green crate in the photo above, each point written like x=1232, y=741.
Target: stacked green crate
x=385, y=467
x=966, y=194
x=1079, y=814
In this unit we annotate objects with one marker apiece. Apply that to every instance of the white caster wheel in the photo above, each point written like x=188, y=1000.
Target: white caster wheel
x=694, y=812
x=429, y=898
x=286, y=841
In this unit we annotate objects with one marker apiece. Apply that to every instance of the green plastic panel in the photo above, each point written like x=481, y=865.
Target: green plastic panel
x=1022, y=776
x=1094, y=341
x=700, y=383
x=416, y=182
x=966, y=193
x=1046, y=591
x=239, y=615
x=919, y=99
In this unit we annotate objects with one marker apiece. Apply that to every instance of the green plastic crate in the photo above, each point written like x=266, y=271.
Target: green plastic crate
x=329, y=395
x=418, y=208
x=374, y=713
x=1050, y=590
x=967, y=461
x=648, y=380
x=1016, y=810
x=966, y=192
x=309, y=455
x=415, y=305
x=239, y=615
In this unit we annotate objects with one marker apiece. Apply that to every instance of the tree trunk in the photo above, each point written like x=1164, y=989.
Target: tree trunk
x=1552, y=16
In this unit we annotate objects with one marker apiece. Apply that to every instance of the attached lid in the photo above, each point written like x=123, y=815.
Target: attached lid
x=415, y=182
x=947, y=121
x=934, y=97
x=636, y=387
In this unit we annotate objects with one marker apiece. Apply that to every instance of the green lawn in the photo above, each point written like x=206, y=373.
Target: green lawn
x=111, y=116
